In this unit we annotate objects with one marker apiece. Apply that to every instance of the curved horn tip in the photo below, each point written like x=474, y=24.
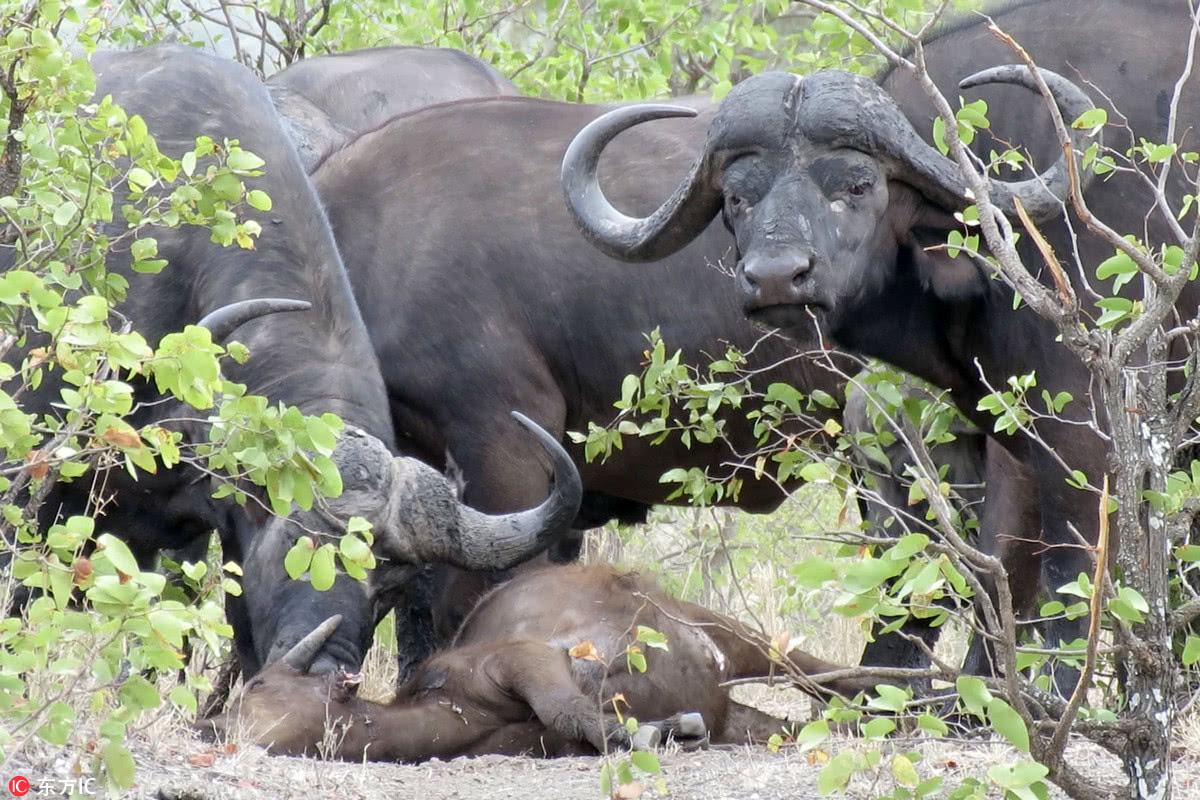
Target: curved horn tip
x=536, y=429
x=995, y=74
x=303, y=652
x=225, y=320
x=525, y=421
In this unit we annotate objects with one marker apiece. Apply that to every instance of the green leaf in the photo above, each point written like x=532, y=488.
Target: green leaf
x=184, y=698
x=259, y=199
x=117, y=553
x=65, y=212
x=1020, y=779
x=932, y=725
x=891, y=698
x=939, y=135
x=354, y=548
x=1008, y=723
x=151, y=267
x=299, y=557
x=139, y=693
x=646, y=761
x=1119, y=264
x=974, y=694
x=908, y=546
x=652, y=638
x=139, y=179
x=904, y=772
x=118, y=764
x=1092, y=118
x=836, y=774
x=1191, y=650
x=812, y=734
x=243, y=160
x=322, y=571
x=878, y=728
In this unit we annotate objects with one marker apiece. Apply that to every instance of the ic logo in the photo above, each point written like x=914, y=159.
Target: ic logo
x=19, y=786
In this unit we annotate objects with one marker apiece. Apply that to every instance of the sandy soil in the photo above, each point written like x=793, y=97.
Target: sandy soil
x=188, y=770
x=174, y=765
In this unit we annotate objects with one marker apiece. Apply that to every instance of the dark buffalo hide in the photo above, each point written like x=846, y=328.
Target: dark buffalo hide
x=318, y=360
x=327, y=100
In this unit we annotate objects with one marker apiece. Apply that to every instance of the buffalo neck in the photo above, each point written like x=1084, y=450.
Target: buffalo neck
x=969, y=346
x=407, y=731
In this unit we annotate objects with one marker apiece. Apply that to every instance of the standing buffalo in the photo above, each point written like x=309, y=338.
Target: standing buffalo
x=534, y=671
x=327, y=100
x=833, y=198
x=318, y=360
x=479, y=294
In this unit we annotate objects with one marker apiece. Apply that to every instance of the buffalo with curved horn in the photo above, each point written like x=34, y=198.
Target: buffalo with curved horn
x=833, y=199
x=496, y=301
x=318, y=360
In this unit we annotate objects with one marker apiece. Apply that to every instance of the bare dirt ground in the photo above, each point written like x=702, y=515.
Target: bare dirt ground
x=170, y=770
x=172, y=764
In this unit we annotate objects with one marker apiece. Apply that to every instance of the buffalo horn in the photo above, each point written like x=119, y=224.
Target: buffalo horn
x=501, y=541
x=845, y=110
x=225, y=320
x=303, y=652
x=676, y=222
x=1041, y=196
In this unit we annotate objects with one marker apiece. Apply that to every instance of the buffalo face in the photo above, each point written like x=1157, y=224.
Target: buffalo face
x=822, y=181
x=807, y=233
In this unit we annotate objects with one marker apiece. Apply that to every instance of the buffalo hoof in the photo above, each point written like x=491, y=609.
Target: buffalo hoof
x=691, y=726
x=646, y=738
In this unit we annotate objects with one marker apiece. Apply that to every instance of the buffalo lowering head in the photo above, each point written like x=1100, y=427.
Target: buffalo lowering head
x=287, y=707
x=416, y=518
x=820, y=179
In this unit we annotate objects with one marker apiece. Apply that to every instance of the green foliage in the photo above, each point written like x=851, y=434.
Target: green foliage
x=76, y=666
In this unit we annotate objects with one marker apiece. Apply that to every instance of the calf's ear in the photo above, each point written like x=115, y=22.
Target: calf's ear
x=948, y=277
x=345, y=685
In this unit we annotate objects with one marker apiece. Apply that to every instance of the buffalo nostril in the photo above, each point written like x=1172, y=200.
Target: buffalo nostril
x=749, y=276
x=802, y=267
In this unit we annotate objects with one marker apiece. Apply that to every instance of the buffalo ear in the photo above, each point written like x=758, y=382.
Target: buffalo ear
x=949, y=278
x=345, y=685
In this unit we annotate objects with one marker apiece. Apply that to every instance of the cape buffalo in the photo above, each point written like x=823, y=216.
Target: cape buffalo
x=832, y=197
x=327, y=100
x=534, y=670
x=318, y=360
x=480, y=294
x=493, y=298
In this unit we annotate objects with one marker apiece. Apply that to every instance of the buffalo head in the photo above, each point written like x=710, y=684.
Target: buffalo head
x=417, y=518
x=822, y=181
x=286, y=706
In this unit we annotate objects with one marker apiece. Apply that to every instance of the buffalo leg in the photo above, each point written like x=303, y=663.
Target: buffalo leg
x=541, y=676
x=1010, y=530
x=965, y=459
x=744, y=724
x=416, y=639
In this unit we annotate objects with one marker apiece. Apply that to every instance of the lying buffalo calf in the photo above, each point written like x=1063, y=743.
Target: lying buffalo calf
x=534, y=670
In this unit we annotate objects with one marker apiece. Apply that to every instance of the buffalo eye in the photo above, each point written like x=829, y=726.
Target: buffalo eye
x=254, y=684
x=737, y=204
x=859, y=189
